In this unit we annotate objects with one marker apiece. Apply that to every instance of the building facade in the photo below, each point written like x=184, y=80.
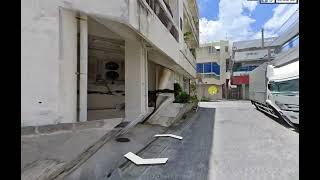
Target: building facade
x=246, y=56
x=88, y=60
x=212, y=59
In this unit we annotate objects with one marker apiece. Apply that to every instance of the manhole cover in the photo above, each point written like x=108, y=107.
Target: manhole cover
x=122, y=139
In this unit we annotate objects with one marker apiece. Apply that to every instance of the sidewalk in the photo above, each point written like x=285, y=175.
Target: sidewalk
x=39, y=152
x=108, y=156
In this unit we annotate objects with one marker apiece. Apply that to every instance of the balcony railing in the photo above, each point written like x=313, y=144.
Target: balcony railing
x=165, y=16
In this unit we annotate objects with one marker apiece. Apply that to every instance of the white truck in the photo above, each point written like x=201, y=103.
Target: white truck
x=275, y=90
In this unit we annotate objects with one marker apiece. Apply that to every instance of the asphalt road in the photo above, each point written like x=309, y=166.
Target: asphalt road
x=223, y=141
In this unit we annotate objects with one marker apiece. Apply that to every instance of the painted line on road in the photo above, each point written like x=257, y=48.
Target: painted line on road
x=140, y=161
x=168, y=135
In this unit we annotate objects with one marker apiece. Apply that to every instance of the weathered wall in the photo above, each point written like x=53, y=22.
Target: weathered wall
x=202, y=91
x=100, y=30
x=40, y=61
x=152, y=76
x=48, y=42
x=105, y=101
x=157, y=34
x=136, y=79
x=166, y=78
x=219, y=57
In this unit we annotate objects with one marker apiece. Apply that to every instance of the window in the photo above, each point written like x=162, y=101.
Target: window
x=208, y=68
x=226, y=48
x=211, y=50
x=246, y=68
x=289, y=86
x=290, y=44
x=199, y=68
x=181, y=24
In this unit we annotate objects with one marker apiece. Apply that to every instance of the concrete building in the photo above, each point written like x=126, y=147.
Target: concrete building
x=88, y=60
x=246, y=56
x=212, y=60
x=288, y=49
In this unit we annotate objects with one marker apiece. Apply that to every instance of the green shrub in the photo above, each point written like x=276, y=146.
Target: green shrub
x=182, y=97
x=194, y=99
x=177, y=89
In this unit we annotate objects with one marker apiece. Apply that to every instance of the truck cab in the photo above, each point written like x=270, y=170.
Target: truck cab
x=283, y=91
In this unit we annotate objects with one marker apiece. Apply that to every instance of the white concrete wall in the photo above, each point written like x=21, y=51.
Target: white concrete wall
x=100, y=30
x=47, y=93
x=136, y=80
x=48, y=53
x=104, y=101
x=48, y=56
x=68, y=67
x=158, y=35
x=39, y=64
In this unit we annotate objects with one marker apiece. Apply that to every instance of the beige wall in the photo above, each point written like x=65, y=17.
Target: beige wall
x=219, y=57
x=202, y=91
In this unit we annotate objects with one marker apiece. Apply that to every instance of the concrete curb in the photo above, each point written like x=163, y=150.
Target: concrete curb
x=53, y=128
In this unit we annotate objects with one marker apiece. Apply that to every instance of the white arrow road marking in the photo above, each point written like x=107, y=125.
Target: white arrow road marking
x=168, y=135
x=140, y=161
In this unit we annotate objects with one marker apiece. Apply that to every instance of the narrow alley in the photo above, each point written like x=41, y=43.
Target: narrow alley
x=226, y=141
x=159, y=89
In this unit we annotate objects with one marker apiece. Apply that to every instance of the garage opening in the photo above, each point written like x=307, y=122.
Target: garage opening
x=105, y=85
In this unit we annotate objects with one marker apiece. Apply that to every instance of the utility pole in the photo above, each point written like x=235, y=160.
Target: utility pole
x=262, y=44
x=262, y=38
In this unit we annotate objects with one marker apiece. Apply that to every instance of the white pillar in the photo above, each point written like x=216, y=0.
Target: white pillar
x=68, y=67
x=136, y=87
x=165, y=75
x=83, y=91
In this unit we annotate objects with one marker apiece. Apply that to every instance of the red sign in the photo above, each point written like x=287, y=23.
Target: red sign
x=237, y=80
